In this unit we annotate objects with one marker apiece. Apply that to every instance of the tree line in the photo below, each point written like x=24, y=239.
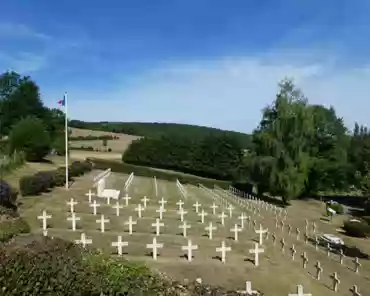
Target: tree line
x=26, y=123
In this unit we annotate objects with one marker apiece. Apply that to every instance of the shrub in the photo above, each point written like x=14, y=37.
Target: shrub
x=45, y=179
x=336, y=207
x=30, y=136
x=12, y=227
x=109, y=150
x=356, y=229
x=59, y=177
x=59, y=145
x=7, y=195
x=10, y=162
x=30, y=185
x=366, y=219
x=36, y=265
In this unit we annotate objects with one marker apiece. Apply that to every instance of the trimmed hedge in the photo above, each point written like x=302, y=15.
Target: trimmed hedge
x=8, y=195
x=45, y=180
x=356, y=229
x=336, y=207
x=121, y=167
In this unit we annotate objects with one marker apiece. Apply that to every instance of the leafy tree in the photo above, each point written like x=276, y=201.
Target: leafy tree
x=30, y=136
x=281, y=144
x=59, y=144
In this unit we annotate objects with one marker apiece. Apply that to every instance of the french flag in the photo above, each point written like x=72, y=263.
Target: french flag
x=63, y=101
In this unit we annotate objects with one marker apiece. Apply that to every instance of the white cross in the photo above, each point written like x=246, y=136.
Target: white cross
x=180, y=203
x=119, y=244
x=197, y=205
x=102, y=222
x=202, y=214
x=126, y=198
x=44, y=218
x=256, y=251
x=108, y=199
x=236, y=229
x=157, y=226
x=210, y=229
x=248, y=289
x=130, y=222
x=242, y=218
x=161, y=210
x=154, y=246
x=181, y=212
x=260, y=232
x=300, y=292
x=72, y=204
x=145, y=200
x=355, y=291
x=189, y=248
x=223, y=249
x=117, y=207
x=89, y=195
x=184, y=227
x=214, y=207
x=73, y=218
x=83, y=241
x=162, y=202
x=230, y=208
x=222, y=216
x=139, y=209
x=94, y=205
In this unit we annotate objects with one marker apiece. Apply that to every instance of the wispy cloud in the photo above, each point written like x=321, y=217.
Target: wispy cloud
x=14, y=30
x=226, y=92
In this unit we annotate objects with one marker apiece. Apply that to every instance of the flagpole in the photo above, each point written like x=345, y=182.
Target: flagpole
x=66, y=136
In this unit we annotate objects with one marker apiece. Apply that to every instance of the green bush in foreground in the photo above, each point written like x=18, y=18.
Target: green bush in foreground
x=356, y=229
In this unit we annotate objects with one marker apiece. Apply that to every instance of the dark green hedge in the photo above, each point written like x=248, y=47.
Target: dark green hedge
x=45, y=180
x=121, y=167
x=11, y=227
x=357, y=229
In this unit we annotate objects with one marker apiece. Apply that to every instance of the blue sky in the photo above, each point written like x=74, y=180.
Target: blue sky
x=206, y=62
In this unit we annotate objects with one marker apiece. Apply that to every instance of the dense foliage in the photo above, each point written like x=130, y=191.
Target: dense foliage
x=44, y=180
x=30, y=136
x=155, y=129
x=19, y=99
x=212, y=156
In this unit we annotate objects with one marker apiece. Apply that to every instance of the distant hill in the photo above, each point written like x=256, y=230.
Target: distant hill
x=152, y=129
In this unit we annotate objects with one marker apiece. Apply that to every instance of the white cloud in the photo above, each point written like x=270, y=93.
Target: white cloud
x=14, y=30
x=22, y=62
x=227, y=93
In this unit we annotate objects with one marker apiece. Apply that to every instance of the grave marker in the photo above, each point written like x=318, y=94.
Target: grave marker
x=89, y=195
x=242, y=218
x=304, y=260
x=318, y=270
x=180, y=203
x=236, y=230
x=157, y=226
x=139, y=209
x=293, y=251
x=117, y=207
x=336, y=281
x=44, y=217
x=73, y=219
x=197, y=205
x=184, y=228
x=260, y=232
x=181, y=212
x=357, y=264
x=341, y=256
x=119, y=244
x=248, y=289
x=126, y=198
x=154, y=246
x=256, y=251
x=130, y=223
x=202, y=214
x=71, y=203
x=355, y=291
x=161, y=210
x=102, y=222
x=300, y=292
x=83, y=241
x=162, y=202
x=210, y=229
x=144, y=201
x=230, y=208
x=214, y=207
x=189, y=248
x=223, y=249
x=94, y=205
x=222, y=216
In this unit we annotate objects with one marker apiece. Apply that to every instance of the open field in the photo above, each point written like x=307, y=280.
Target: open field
x=277, y=274
x=117, y=145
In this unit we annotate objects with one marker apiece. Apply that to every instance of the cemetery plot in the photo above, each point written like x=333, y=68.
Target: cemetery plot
x=193, y=232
